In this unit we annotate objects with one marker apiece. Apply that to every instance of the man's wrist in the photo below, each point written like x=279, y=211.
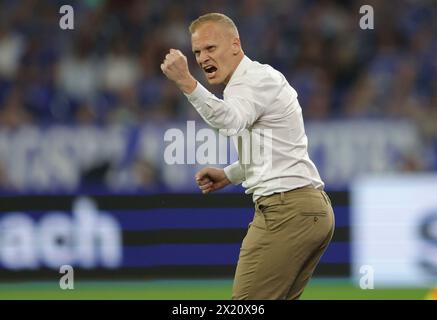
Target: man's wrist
x=188, y=86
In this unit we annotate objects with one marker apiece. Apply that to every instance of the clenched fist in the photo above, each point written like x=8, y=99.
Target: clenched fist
x=175, y=67
x=211, y=179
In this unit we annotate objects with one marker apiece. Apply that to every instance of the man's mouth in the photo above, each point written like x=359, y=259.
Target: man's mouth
x=210, y=71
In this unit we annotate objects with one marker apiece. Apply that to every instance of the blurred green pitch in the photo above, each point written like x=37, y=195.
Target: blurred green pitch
x=318, y=289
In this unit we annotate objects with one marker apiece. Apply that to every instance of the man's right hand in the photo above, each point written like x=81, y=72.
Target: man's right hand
x=175, y=67
x=211, y=179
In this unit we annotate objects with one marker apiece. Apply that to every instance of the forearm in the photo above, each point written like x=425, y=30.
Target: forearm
x=221, y=114
x=188, y=85
x=234, y=172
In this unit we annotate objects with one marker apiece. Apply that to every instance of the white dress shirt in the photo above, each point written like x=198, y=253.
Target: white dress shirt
x=261, y=108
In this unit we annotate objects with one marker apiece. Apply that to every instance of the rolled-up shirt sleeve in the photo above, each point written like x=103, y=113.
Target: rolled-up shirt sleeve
x=234, y=172
x=234, y=114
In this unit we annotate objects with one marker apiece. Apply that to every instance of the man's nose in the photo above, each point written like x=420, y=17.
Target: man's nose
x=203, y=58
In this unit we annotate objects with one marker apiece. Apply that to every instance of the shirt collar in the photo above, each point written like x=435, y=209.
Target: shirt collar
x=241, y=69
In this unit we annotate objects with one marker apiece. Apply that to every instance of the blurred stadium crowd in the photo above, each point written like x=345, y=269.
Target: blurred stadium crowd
x=107, y=70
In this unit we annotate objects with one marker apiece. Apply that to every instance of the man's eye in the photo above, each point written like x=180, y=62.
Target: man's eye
x=212, y=48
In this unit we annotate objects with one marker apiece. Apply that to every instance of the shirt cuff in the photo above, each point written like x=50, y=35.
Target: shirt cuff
x=235, y=173
x=199, y=94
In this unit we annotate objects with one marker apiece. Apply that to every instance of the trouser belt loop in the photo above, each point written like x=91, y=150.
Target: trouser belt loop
x=325, y=196
x=282, y=197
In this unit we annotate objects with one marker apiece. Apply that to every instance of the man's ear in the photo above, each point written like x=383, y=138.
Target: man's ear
x=236, y=46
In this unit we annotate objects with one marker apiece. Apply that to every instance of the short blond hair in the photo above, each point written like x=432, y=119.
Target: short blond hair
x=213, y=17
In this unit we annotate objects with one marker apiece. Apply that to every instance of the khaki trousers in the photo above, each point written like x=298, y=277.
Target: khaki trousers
x=289, y=233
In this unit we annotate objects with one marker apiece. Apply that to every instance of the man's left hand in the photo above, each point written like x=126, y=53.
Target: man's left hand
x=175, y=67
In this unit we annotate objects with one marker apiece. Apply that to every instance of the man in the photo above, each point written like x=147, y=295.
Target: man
x=293, y=222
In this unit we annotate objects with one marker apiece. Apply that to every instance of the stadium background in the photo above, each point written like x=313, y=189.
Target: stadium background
x=83, y=114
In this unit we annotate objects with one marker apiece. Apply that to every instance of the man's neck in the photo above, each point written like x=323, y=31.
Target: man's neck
x=238, y=60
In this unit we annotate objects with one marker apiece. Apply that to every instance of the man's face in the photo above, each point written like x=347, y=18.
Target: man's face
x=214, y=46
